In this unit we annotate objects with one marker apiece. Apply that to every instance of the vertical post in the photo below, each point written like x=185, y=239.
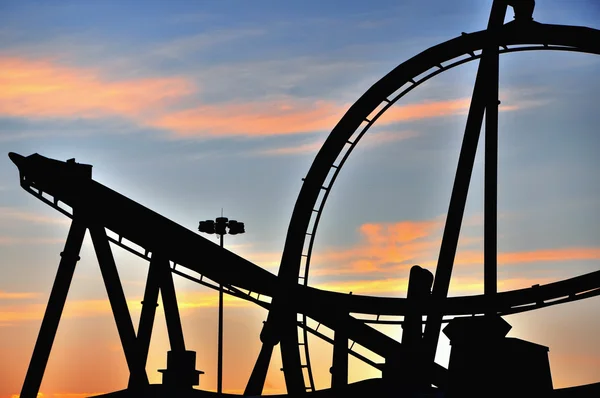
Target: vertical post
x=148, y=312
x=220, y=337
x=490, y=60
x=118, y=303
x=339, y=368
x=413, y=370
x=459, y=194
x=56, y=303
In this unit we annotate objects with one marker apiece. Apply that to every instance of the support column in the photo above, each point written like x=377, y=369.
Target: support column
x=490, y=60
x=169, y=299
x=459, y=197
x=148, y=314
x=414, y=368
x=220, y=336
x=118, y=304
x=339, y=368
x=181, y=374
x=294, y=377
x=419, y=289
x=269, y=336
x=259, y=372
x=56, y=303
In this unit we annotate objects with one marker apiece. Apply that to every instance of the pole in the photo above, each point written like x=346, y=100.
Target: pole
x=220, y=338
x=458, y=199
x=490, y=59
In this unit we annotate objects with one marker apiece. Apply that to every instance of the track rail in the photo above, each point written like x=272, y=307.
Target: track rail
x=510, y=302
x=131, y=224
x=362, y=115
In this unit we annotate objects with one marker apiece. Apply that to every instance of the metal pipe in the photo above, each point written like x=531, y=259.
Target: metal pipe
x=220, y=338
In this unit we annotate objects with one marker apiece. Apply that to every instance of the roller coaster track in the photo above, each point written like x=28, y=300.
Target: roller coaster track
x=55, y=183
x=511, y=38
x=132, y=222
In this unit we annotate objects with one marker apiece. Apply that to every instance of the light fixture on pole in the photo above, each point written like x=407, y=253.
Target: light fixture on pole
x=219, y=227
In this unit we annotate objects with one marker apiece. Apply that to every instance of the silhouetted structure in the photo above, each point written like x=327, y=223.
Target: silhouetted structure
x=482, y=357
x=484, y=360
x=220, y=227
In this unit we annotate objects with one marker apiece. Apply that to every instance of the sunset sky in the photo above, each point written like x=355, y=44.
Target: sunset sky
x=188, y=107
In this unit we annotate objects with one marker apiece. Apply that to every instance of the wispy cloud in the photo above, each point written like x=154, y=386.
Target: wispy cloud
x=16, y=214
x=468, y=257
x=285, y=116
x=373, y=140
x=387, y=248
x=288, y=116
x=310, y=148
x=16, y=295
x=186, y=301
x=41, y=88
x=186, y=46
x=45, y=89
x=13, y=240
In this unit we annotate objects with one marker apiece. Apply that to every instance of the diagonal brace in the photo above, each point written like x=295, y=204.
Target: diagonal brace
x=118, y=304
x=148, y=313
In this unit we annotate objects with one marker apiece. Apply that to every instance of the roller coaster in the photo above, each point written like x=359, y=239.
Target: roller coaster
x=476, y=328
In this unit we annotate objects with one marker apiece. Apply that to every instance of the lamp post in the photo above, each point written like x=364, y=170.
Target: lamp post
x=219, y=227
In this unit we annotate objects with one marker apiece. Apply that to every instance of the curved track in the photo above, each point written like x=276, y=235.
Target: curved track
x=365, y=112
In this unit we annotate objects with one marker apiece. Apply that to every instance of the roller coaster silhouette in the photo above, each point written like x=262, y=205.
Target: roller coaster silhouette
x=483, y=361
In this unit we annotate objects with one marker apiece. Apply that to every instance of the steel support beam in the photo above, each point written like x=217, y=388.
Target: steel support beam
x=118, y=303
x=280, y=323
x=412, y=373
x=56, y=303
x=490, y=62
x=458, y=198
x=148, y=313
x=294, y=378
x=339, y=368
x=259, y=372
x=169, y=299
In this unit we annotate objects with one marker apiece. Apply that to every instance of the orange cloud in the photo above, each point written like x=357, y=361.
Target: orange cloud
x=371, y=140
x=544, y=255
x=34, y=88
x=383, y=247
x=16, y=295
x=89, y=308
x=288, y=117
x=425, y=110
x=257, y=118
x=41, y=88
x=387, y=248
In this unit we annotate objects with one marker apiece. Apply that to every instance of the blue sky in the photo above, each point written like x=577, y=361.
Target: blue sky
x=190, y=107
